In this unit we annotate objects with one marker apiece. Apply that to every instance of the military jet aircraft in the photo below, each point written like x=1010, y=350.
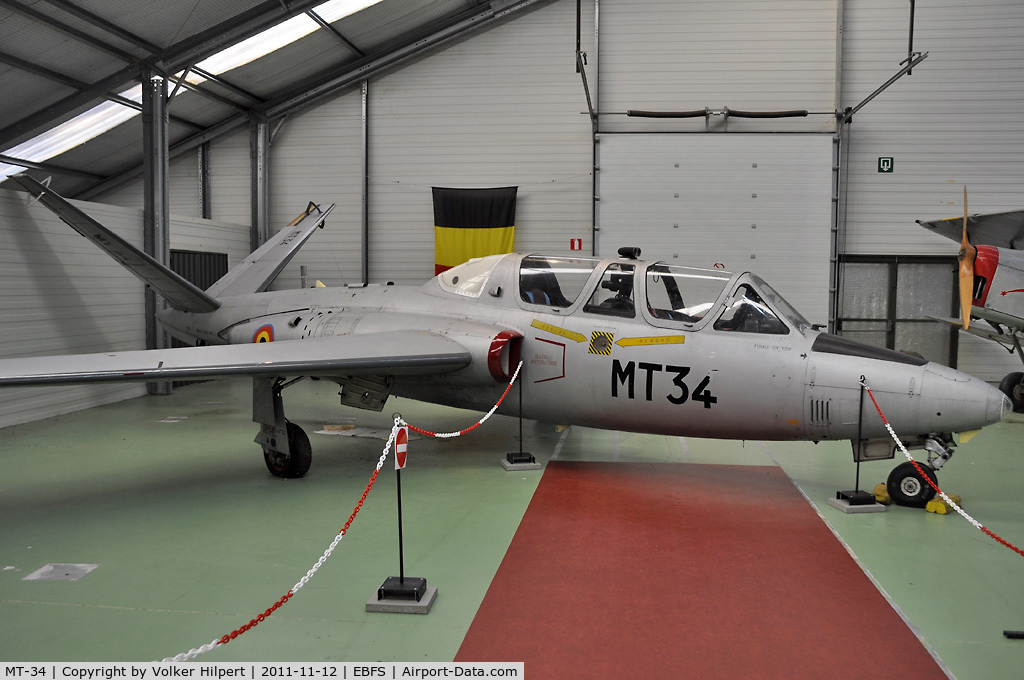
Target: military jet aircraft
x=991, y=282
x=614, y=343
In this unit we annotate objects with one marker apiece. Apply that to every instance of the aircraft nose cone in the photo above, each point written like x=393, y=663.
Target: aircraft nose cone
x=998, y=406
x=963, y=402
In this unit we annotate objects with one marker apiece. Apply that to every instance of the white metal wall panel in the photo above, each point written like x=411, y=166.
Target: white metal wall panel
x=210, y=236
x=955, y=121
x=759, y=203
x=63, y=295
x=230, y=198
x=182, y=188
x=317, y=156
x=753, y=55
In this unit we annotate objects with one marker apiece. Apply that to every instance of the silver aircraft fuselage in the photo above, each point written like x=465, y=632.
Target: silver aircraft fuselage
x=659, y=366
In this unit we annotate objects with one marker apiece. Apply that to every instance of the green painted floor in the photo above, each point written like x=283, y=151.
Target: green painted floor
x=193, y=537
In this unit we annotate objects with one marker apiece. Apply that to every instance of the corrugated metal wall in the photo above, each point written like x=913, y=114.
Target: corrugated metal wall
x=63, y=295
x=752, y=55
x=955, y=120
x=182, y=183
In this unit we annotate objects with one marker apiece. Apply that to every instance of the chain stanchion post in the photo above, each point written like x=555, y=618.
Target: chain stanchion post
x=520, y=460
x=399, y=594
x=855, y=500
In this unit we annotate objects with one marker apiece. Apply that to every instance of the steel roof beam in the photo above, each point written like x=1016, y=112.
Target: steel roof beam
x=45, y=118
x=103, y=24
x=335, y=32
x=48, y=167
x=228, y=32
x=172, y=59
x=82, y=36
x=228, y=85
x=41, y=71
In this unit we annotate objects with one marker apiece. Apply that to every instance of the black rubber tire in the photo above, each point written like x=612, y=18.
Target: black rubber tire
x=296, y=464
x=1013, y=387
x=906, y=486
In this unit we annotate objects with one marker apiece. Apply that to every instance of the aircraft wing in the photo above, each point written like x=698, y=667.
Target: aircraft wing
x=1004, y=230
x=392, y=353
x=1013, y=324
x=178, y=291
x=261, y=267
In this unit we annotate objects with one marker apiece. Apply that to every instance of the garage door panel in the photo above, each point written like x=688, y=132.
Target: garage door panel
x=760, y=203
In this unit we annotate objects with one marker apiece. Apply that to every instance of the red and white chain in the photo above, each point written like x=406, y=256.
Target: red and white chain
x=399, y=422
x=949, y=501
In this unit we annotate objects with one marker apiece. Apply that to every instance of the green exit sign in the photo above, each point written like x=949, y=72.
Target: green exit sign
x=885, y=164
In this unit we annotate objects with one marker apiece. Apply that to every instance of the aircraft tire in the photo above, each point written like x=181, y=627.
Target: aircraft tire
x=906, y=486
x=296, y=464
x=1013, y=387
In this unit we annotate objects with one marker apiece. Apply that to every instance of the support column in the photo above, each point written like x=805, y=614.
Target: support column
x=155, y=240
x=366, y=184
x=259, y=156
x=205, y=207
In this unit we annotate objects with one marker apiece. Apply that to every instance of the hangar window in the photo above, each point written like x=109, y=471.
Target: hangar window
x=553, y=281
x=683, y=293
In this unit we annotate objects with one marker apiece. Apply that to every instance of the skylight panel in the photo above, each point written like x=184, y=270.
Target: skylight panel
x=109, y=115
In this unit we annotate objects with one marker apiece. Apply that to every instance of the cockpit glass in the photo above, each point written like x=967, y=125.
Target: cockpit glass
x=553, y=281
x=746, y=312
x=469, y=278
x=779, y=302
x=683, y=293
x=614, y=295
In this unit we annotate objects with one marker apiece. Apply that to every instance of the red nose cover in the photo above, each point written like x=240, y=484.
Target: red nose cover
x=985, y=266
x=513, y=340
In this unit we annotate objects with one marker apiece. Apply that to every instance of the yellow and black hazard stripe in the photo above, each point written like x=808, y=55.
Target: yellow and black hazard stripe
x=601, y=343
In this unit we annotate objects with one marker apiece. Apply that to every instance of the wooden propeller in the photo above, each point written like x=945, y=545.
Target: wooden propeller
x=968, y=254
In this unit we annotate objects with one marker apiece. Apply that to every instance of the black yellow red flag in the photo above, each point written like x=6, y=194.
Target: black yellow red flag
x=472, y=223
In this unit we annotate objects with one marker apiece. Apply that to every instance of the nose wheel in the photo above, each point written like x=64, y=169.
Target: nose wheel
x=914, y=485
x=907, y=487
x=1013, y=387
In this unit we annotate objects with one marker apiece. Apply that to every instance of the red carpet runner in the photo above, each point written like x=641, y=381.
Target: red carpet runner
x=684, y=571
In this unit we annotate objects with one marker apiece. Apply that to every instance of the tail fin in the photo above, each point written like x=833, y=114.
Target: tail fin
x=258, y=270
x=179, y=293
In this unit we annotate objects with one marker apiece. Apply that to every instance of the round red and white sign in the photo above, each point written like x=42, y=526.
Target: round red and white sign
x=401, y=447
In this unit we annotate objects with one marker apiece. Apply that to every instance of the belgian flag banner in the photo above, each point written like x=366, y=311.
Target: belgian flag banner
x=472, y=223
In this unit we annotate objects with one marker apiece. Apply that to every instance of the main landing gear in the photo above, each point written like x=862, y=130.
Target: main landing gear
x=907, y=486
x=286, y=448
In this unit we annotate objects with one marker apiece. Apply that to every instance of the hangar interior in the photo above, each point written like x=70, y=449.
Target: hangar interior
x=816, y=133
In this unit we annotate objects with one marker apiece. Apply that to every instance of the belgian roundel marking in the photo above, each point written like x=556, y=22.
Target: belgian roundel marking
x=264, y=334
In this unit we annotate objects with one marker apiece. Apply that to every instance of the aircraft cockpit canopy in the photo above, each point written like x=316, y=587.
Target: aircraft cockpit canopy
x=554, y=281
x=469, y=278
x=683, y=294
x=687, y=296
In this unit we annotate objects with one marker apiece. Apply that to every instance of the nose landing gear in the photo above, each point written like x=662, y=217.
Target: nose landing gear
x=907, y=486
